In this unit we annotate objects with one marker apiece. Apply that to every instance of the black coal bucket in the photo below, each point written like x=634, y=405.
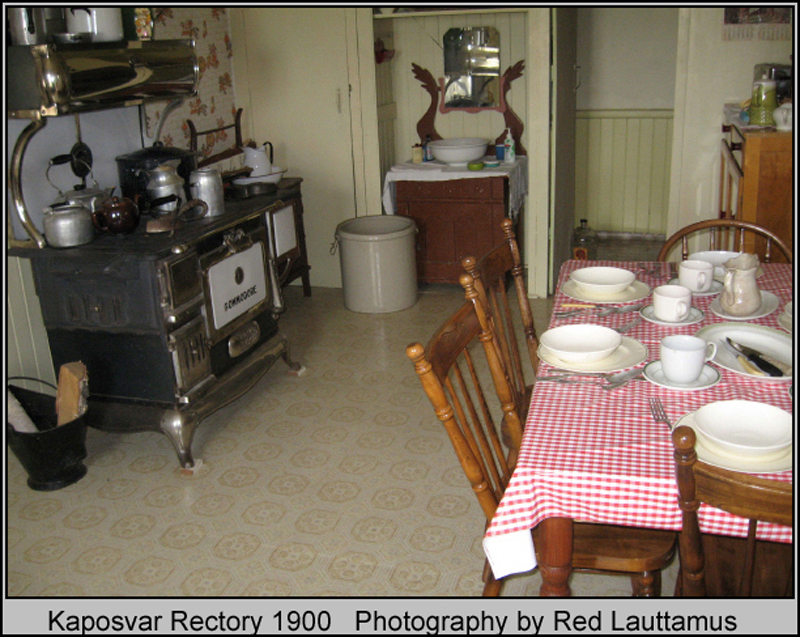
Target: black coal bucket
x=53, y=457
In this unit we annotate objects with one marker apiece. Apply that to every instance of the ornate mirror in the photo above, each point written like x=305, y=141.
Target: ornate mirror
x=472, y=69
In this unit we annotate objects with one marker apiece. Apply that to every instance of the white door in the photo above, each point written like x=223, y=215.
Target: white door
x=297, y=92
x=562, y=130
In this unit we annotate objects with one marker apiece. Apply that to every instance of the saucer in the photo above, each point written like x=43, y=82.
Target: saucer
x=711, y=454
x=709, y=377
x=630, y=353
x=716, y=287
x=695, y=316
x=785, y=321
x=769, y=303
x=635, y=291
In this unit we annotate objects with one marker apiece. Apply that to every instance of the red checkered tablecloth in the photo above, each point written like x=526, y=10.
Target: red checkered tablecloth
x=598, y=456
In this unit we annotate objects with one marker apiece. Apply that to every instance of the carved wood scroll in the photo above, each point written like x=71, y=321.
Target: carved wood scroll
x=427, y=123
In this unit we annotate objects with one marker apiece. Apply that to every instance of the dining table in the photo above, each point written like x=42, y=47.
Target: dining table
x=593, y=455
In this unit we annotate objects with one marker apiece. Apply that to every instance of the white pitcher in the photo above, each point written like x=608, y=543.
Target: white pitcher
x=740, y=295
x=258, y=159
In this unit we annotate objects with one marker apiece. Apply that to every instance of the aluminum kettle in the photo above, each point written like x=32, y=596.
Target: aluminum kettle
x=68, y=225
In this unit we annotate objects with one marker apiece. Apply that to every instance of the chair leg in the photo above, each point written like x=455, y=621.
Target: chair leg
x=491, y=586
x=646, y=584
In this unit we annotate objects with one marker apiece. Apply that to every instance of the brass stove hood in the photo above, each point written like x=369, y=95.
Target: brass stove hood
x=47, y=80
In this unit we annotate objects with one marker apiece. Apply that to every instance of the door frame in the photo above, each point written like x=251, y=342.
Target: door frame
x=537, y=206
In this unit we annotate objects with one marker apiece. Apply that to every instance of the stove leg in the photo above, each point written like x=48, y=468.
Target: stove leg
x=179, y=427
x=295, y=369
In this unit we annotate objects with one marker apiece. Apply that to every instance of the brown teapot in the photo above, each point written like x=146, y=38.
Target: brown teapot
x=116, y=216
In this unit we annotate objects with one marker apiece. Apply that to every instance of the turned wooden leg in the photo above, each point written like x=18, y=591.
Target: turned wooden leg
x=555, y=556
x=647, y=584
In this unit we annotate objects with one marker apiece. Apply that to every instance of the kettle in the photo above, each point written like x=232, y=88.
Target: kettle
x=67, y=225
x=91, y=197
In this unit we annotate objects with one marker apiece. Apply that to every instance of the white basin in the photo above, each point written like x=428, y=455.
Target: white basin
x=459, y=151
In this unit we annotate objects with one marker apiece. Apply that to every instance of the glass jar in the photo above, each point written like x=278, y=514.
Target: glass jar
x=584, y=242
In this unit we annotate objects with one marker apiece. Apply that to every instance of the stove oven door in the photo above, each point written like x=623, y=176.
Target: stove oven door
x=238, y=297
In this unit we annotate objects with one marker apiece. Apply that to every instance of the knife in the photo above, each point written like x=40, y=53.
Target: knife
x=755, y=357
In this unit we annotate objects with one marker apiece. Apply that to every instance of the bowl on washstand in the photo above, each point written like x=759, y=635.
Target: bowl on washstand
x=459, y=151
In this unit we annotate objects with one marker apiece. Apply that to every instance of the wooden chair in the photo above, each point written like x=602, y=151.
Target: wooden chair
x=729, y=234
x=745, y=495
x=455, y=366
x=491, y=275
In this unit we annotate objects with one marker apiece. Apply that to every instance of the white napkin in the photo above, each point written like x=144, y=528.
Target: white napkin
x=510, y=553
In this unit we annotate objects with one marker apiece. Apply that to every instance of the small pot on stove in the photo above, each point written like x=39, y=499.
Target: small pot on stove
x=117, y=216
x=133, y=168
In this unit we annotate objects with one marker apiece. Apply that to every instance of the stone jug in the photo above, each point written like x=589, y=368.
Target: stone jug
x=740, y=295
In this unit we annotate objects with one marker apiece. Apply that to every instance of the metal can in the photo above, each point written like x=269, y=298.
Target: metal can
x=206, y=184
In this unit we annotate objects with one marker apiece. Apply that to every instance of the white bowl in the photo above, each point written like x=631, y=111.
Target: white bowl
x=460, y=151
x=745, y=427
x=716, y=257
x=582, y=343
x=603, y=280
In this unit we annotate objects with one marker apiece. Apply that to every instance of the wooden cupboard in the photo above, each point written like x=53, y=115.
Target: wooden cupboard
x=455, y=219
x=757, y=182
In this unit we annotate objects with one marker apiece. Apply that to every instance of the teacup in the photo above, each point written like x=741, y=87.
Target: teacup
x=672, y=303
x=783, y=117
x=696, y=275
x=683, y=357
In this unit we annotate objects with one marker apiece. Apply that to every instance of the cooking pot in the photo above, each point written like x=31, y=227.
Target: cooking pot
x=133, y=167
x=117, y=216
x=105, y=24
x=68, y=225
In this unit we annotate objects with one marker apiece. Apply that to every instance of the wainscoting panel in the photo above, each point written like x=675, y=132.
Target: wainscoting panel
x=622, y=169
x=28, y=351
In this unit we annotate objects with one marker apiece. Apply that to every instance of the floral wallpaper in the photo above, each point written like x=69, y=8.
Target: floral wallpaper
x=215, y=103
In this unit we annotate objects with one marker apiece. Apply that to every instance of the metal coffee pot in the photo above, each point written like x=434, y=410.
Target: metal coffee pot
x=165, y=191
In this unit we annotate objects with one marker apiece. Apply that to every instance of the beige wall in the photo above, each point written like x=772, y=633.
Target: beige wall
x=297, y=74
x=710, y=73
x=626, y=57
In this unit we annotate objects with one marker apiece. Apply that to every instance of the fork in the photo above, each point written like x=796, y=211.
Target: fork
x=657, y=409
x=620, y=309
x=628, y=326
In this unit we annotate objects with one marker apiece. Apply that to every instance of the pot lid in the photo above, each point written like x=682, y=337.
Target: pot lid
x=157, y=154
